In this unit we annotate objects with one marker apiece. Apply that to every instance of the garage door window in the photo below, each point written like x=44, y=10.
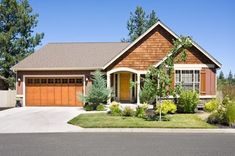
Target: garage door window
x=50, y=81
x=79, y=81
x=64, y=81
x=57, y=81
x=71, y=81
x=43, y=81
x=36, y=81
x=30, y=81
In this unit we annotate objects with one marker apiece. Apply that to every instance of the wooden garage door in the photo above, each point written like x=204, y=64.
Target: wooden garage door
x=54, y=91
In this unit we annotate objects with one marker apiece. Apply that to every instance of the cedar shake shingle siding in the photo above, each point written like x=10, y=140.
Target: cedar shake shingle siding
x=152, y=49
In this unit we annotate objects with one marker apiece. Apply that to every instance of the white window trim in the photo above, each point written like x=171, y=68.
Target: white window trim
x=40, y=76
x=194, y=83
x=192, y=66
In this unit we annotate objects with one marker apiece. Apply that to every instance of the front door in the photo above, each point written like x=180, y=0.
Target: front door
x=125, y=87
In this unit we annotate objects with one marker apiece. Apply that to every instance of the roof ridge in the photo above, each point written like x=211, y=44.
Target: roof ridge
x=82, y=42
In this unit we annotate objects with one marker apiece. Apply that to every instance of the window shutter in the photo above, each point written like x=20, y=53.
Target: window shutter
x=203, y=82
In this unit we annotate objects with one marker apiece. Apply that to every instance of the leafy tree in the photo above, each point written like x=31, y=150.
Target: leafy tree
x=158, y=80
x=139, y=23
x=98, y=93
x=17, y=39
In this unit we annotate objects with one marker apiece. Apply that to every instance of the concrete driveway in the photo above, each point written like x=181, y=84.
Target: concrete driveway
x=38, y=119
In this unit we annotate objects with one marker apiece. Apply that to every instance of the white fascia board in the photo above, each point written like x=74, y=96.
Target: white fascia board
x=50, y=69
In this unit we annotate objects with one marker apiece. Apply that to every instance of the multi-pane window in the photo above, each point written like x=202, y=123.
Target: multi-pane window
x=190, y=79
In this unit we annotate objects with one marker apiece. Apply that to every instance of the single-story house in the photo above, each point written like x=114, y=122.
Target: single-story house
x=57, y=73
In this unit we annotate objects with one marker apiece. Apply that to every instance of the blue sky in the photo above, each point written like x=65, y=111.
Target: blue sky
x=211, y=23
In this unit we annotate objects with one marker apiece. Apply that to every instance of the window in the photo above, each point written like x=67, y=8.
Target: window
x=50, y=81
x=71, y=80
x=43, y=81
x=36, y=81
x=79, y=81
x=57, y=81
x=30, y=81
x=190, y=79
x=64, y=81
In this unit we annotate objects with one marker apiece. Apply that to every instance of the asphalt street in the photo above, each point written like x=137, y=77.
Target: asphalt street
x=117, y=144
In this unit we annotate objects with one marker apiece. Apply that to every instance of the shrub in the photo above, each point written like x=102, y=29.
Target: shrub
x=88, y=107
x=187, y=102
x=115, y=109
x=230, y=114
x=218, y=117
x=98, y=93
x=167, y=107
x=100, y=107
x=128, y=111
x=141, y=110
x=212, y=105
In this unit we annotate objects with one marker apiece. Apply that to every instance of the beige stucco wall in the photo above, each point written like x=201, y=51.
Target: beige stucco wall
x=7, y=98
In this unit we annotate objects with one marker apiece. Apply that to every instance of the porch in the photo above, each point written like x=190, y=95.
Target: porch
x=125, y=83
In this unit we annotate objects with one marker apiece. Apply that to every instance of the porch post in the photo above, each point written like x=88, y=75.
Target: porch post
x=138, y=88
x=108, y=86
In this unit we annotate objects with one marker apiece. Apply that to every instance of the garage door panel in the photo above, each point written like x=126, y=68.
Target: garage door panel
x=29, y=99
x=51, y=95
x=65, y=95
x=72, y=95
x=79, y=92
x=44, y=95
x=36, y=92
x=58, y=95
x=53, y=91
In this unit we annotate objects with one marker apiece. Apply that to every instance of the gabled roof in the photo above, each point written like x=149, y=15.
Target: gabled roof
x=87, y=55
x=71, y=56
x=173, y=34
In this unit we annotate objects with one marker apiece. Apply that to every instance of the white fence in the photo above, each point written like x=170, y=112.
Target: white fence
x=7, y=98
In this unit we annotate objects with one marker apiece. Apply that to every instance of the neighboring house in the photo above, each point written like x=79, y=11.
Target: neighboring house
x=2, y=83
x=57, y=73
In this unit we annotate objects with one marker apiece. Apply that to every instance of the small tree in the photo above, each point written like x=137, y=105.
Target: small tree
x=98, y=92
x=158, y=80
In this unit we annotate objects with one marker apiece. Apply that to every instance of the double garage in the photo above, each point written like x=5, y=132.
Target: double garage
x=54, y=91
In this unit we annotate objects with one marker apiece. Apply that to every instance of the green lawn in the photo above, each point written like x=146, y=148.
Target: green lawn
x=104, y=120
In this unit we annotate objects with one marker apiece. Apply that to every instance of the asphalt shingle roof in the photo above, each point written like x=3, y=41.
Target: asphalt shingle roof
x=88, y=55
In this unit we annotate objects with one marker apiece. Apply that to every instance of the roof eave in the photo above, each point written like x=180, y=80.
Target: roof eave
x=56, y=69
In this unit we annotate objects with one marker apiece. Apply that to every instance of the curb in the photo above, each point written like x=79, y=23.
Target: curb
x=154, y=130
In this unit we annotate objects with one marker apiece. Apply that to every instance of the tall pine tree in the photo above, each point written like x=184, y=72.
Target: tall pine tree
x=17, y=39
x=230, y=77
x=151, y=19
x=221, y=75
x=138, y=23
